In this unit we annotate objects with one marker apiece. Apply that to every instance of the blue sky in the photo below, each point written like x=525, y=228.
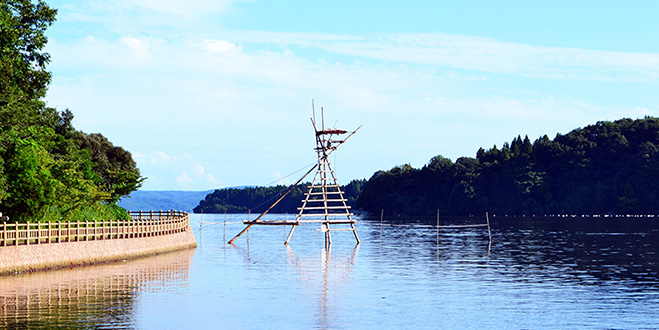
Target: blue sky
x=210, y=94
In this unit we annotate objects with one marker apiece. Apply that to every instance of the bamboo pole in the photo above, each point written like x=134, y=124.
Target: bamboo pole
x=381, y=219
x=437, y=228
x=489, y=232
x=273, y=205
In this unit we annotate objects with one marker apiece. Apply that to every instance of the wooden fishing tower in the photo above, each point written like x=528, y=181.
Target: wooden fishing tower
x=324, y=202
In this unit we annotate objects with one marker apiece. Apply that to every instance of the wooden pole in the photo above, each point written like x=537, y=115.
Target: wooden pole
x=489, y=232
x=437, y=228
x=273, y=205
x=201, y=221
x=381, y=219
x=288, y=238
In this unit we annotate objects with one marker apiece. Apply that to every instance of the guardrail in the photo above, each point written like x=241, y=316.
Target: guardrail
x=142, y=224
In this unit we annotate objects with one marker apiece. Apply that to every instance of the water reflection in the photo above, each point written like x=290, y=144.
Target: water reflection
x=101, y=296
x=538, y=274
x=329, y=273
x=576, y=250
x=583, y=251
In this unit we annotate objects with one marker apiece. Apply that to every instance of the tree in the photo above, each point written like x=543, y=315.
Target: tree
x=116, y=170
x=601, y=168
x=439, y=163
x=23, y=74
x=48, y=170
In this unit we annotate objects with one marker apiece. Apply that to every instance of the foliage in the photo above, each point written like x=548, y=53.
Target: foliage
x=609, y=167
x=48, y=170
x=22, y=38
x=258, y=199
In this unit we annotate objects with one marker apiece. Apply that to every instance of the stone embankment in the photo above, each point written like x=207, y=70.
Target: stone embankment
x=47, y=246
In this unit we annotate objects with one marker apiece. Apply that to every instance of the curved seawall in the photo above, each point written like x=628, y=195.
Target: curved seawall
x=22, y=258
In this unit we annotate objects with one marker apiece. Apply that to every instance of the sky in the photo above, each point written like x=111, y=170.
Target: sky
x=208, y=94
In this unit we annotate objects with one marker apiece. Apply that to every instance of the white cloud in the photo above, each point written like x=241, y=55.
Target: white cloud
x=279, y=179
x=156, y=158
x=240, y=100
x=139, y=47
x=182, y=8
x=222, y=47
x=181, y=172
x=184, y=179
x=478, y=54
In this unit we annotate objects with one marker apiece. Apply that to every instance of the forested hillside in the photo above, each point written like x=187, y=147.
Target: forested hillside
x=258, y=199
x=48, y=170
x=609, y=167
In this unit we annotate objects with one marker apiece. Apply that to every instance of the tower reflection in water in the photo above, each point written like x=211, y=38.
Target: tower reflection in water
x=327, y=276
x=100, y=296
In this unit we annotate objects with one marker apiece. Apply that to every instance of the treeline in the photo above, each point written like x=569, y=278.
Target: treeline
x=48, y=170
x=609, y=167
x=258, y=199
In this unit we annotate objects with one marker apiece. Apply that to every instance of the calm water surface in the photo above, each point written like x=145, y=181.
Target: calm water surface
x=559, y=274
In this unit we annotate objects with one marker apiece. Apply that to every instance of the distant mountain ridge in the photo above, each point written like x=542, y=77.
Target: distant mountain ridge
x=163, y=200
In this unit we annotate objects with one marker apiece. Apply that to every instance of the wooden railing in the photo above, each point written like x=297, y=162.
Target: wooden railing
x=142, y=224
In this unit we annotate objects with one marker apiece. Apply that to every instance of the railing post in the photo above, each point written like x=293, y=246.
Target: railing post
x=4, y=233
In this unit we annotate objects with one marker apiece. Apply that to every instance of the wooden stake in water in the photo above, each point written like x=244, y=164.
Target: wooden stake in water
x=381, y=217
x=489, y=233
x=438, y=228
x=201, y=221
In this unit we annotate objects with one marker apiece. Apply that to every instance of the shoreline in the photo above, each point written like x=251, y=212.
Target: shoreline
x=39, y=257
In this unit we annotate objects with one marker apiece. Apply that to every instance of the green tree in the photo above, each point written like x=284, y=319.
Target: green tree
x=601, y=168
x=114, y=166
x=23, y=75
x=48, y=170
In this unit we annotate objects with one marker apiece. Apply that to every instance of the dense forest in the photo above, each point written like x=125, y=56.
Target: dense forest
x=608, y=167
x=258, y=199
x=49, y=171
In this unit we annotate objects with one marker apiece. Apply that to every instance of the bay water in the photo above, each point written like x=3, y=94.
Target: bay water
x=537, y=273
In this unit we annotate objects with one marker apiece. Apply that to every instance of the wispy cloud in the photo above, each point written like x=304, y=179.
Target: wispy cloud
x=161, y=86
x=476, y=54
x=165, y=171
